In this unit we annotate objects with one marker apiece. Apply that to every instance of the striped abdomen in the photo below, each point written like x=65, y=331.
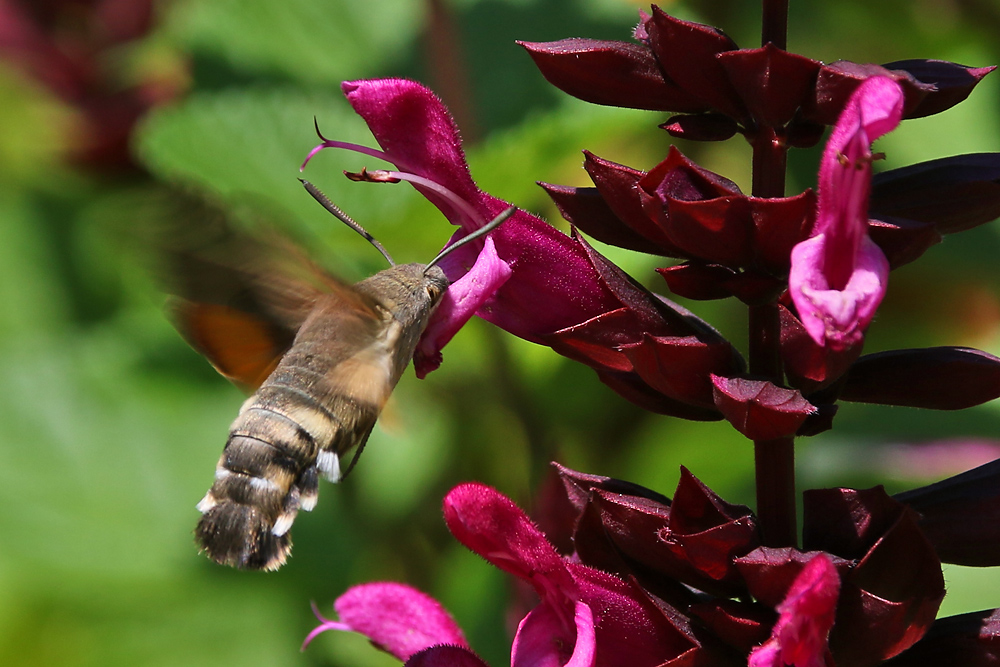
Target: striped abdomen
x=320, y=402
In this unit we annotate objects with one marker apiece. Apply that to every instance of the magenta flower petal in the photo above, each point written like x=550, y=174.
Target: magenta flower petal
x=630, y=628
x=836, y=317
x=464, y=297
x=542, y=640
x=799, y=637
x=838, y=277
x=397, y=618
x=418, y=135
x=490, y=524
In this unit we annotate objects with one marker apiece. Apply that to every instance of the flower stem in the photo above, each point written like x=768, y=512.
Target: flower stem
x=774, y=27
x=775, y=478
x=765, y=342
x=770, y=157
x=774, y=460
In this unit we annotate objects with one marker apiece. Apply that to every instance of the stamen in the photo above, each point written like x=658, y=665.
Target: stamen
x=389, y=176
x=346, y=145
x=370, y=176
x=459, y=203
x=357, y=148
x=326, y=624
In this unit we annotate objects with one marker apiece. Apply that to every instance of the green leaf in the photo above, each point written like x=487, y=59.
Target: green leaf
x=307, y=41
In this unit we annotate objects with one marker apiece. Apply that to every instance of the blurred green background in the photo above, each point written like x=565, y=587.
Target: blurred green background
x=110, y=426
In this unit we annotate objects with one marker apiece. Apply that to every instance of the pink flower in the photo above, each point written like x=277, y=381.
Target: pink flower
x=799, y=637
x=529, y=278
x=838, y=277
x=555, y=285
x=585, y=617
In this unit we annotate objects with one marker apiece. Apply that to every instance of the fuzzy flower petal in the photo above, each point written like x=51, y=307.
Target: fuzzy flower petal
x=464, y=297
x=490, y=524
x=838, y=277
x=799, y=638
x=541, y=640
x=397, y=618
x=833, y=317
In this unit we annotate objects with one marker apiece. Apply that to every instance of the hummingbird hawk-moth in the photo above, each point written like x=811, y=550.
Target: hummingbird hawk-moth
x=321, y=357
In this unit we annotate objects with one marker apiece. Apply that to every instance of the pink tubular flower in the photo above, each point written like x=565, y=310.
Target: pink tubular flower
x=799, y=637
x=529, y=278
x=419, y=137
x=585, y=617
x=838, y=277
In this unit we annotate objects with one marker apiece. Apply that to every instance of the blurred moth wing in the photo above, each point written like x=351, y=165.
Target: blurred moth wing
x=321, y=357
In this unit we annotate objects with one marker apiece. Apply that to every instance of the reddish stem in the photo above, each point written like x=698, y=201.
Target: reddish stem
x=774, y=27
x=774, y=459
x=775, y=464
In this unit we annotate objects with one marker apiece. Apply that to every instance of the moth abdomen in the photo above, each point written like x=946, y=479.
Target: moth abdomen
x=268, y=471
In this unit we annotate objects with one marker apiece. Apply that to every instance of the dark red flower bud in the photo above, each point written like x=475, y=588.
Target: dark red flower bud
x=698, y=280
x=631, y=387
x=969, y=640
x=954, y=193
x=679, y=178
x=902, y=240
x=619, y=186
x=716, y=230
x=939, y=86
x=758, y=409
x=666, y=349
x=679, y=209
x=780, y=224
x=617, y=533
x=625, y=528
x=588, y=211
x=680, y=367
x=890, y=597
x=566, y=494
x=769, y=571
x=687, y=53
x=742, y=625
x=961, y=515
x=809, y=366
x=771, y=82
x=703, y=536
x=951, y=83
x=937, y=378
x=612, y=73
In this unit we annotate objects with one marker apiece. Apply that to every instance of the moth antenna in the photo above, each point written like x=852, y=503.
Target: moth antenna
x=482, y=231
x=344, y=218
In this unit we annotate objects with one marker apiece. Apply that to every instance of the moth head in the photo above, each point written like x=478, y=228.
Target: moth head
x=435, y=283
